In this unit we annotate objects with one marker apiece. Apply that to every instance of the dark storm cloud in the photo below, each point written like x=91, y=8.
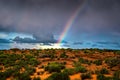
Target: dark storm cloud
x=78, y=43
x=106, y=43
x=29, y=40
x=98, y=19
x=42, y=18
x=4, y=41
x=101, y=20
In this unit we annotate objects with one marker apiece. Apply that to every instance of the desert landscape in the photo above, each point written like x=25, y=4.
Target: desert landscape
x=59, y=64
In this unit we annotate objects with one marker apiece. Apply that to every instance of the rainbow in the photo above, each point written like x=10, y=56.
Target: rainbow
x=69, y=23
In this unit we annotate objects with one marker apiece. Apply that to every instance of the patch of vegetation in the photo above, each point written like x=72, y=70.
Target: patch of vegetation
x=116, y=75
x=63, y=55
x=85, y=61
x=54, y=67
x=113, y=61
x=70, y=71
x=86, y=76
x=13, y=63
x=81, y=69
x=104, y=71
x=36, y=78
x=77, y=64
x=98, y=62
x=59, y=76
x=102, y=77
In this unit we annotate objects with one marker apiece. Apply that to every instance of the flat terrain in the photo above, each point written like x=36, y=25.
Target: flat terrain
x=84, y=64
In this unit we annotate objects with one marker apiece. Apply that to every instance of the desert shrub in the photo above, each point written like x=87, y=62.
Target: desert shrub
x=86, y=51
x=84, y=61
x=98, y=62
x=63, y=55
x=24, y=76
x=52, y=56
x=16, y=74
x=112, y=61
x=8, y=73
x=81, y=60
x=64, y=63
x=42, y=66
x=70, y=71
x=81, y=69
x=2, y=76
x=36, y=78
x=104, y=71
x=77, y=64
x=102, y=77
x=1, y=68
x=59, y=76
x=30, y=70
x=33, y=61
x=54, y=67
x=116, y=75
x=85, y=76
x=117, y=52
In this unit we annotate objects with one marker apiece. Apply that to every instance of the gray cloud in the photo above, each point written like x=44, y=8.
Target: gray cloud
x=108, y=43
x=78, y=43
x=5, y=41
x=98, y=19
x=36, y=40
x=37, y=17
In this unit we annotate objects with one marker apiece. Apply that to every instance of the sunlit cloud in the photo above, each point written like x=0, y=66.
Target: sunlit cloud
x=36, y=46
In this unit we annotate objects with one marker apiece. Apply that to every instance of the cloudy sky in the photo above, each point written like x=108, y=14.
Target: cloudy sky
x=40, y=23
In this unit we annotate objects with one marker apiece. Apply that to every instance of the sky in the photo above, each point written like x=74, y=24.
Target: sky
x=60, y=24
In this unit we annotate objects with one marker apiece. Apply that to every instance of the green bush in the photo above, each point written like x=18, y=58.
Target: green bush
x=101, y=77
x=80, y=69
x=77, y=64
x=70, y=71
x=1, y=68
x=2, y=76
x=63, y=55
x=104, y=71
x=114, y=61
x=85, y=76
x=84, y=61
x=98, y=62
x=116, y=75
x=24, y=76
x=59, y=76
x=36, y=78
x=54, y=67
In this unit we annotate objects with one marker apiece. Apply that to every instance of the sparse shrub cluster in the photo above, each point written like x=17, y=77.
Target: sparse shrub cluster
x=116, y=75
x=113, y=61
x=59, y=76
x=13, y=63
x=36, y=78
x=98, y=62
x=85, y=61
x=63, y=55
x=86, y=76
x=69, y=71
x=81, y=69
x=102, y=71
x=76, y=64
x=54, y=67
